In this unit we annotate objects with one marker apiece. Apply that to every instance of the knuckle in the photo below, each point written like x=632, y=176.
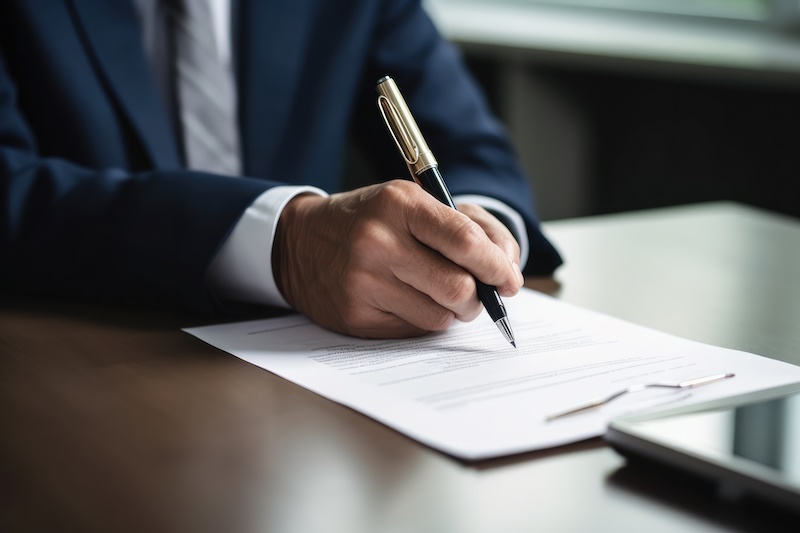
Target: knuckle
x=353, y=281
x=396, y=191
x=472, y=312
x=372, y=241
x=457, y=290
x=351, y=316
x=469, y=237
x=347, y=314
x=365, y=235
x=441, y=320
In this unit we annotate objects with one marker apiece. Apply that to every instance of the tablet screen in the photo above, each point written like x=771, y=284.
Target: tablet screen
x=751, y=446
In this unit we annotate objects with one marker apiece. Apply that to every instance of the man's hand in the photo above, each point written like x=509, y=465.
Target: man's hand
x=389, y=260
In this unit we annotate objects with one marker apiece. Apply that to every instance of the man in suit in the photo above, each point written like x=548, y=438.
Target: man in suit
x=106, y=196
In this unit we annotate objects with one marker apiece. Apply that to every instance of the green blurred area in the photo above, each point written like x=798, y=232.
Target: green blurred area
x=756, y=10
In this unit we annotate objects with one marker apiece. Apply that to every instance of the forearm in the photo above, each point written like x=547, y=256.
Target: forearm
x=113, y=235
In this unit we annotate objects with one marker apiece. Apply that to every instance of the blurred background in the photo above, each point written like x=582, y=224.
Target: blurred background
x=616, y=105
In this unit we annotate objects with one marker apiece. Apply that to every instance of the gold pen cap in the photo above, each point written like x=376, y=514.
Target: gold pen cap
x=403, y=127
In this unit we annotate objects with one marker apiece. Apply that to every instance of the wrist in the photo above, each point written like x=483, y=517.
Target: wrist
x=289, y=238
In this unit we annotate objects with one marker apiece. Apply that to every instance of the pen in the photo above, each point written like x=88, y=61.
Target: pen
x=425, y=171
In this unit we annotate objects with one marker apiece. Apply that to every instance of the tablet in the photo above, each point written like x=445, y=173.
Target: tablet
x=749, y=445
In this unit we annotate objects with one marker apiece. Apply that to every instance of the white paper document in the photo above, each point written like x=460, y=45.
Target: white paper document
x=470, y=394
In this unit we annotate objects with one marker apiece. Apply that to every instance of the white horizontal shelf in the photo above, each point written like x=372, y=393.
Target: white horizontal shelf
x=539, y=29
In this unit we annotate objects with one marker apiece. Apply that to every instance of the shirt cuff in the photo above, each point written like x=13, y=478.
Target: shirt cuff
x=242, y=270
x=507, y=216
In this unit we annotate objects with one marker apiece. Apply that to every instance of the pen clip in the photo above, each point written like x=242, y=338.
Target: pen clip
x=398, y=130
x=403, y=128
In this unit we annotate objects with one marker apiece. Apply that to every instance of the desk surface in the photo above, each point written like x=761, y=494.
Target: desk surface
x=115, y=420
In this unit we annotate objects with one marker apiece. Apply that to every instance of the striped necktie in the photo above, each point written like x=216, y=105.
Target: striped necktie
x=205, y=91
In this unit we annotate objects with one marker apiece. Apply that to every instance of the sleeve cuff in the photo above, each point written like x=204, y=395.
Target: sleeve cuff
x=242, y=270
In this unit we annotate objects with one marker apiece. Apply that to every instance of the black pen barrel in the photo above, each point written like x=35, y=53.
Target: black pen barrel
x=432, y=181
x=490, y=299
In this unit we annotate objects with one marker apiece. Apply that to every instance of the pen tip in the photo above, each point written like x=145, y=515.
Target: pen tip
x=505, y=329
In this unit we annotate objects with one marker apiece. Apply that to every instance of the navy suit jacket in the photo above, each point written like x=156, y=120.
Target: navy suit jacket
x=95, y=202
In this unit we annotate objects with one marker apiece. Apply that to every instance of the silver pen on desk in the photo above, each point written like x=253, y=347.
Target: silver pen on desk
x=425, y=171
x=686, y=384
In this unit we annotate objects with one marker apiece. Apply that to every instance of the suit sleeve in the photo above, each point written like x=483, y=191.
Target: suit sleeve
x=472, y=147
x=108, y=234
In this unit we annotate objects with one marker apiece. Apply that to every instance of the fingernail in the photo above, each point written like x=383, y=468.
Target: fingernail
x=519, y=274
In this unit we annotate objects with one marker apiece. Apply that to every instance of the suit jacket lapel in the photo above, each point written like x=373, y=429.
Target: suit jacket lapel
x=271, y=48
x=113, y=34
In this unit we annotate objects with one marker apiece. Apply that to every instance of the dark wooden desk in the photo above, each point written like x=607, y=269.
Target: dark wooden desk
x=114, y=420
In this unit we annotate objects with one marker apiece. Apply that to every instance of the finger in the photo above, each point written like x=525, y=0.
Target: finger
x=374, y=309
x=412, y=307
x=497, y=232
x=444, y=282
x=463, y=241
x=385, y=325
